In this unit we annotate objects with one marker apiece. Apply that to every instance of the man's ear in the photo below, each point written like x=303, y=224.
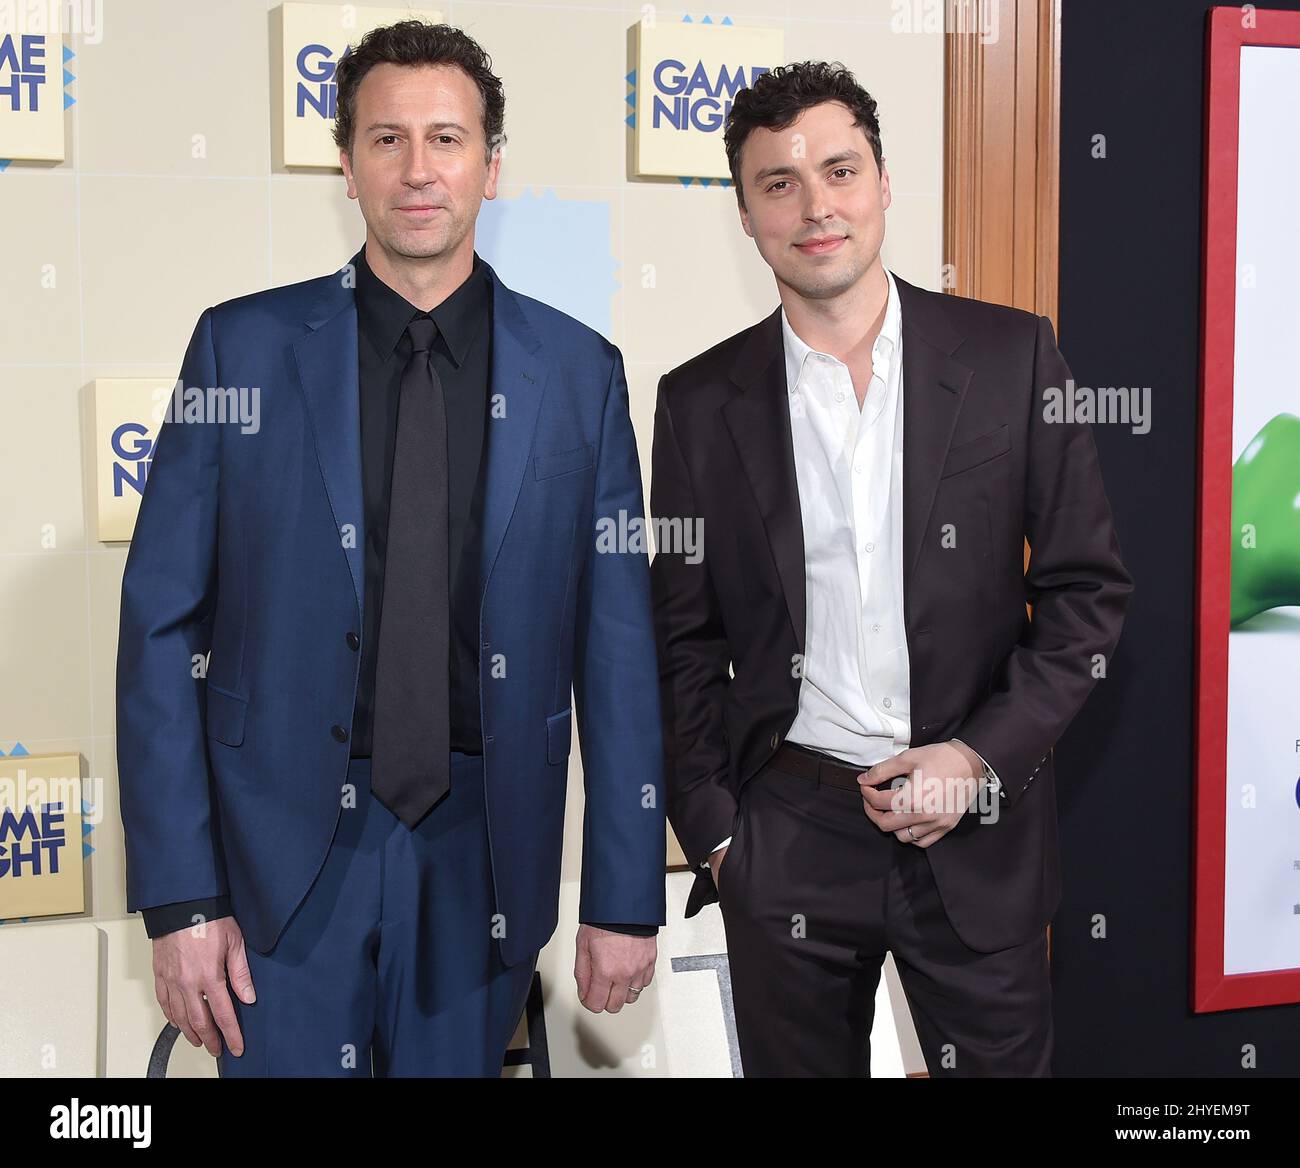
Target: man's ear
x=885, y=197
x=346, y=163
x=493, y=174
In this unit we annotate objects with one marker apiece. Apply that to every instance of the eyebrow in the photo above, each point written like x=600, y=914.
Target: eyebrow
x=436, y=127
x=833, y=160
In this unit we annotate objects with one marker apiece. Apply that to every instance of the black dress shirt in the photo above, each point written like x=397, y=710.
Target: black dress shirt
x=461, y=357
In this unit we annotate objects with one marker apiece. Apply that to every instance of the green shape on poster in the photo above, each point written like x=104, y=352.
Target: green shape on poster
x=1266, y=521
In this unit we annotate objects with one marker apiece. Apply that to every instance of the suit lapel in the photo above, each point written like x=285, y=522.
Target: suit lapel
x=517, y=383
x=326, y=360
x=759, y=421
x=934, y=386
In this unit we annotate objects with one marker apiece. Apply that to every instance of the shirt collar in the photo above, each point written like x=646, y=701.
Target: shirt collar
x=882, y=352
x=383, y=313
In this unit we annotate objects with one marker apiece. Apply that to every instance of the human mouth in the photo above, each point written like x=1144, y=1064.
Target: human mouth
x=821, y=245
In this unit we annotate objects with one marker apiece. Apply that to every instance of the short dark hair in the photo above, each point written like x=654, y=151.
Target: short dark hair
x=417, y=42
x=777, y=98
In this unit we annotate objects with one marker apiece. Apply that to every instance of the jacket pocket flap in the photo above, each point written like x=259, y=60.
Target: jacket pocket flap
x=226, y=713
x=559, y=730
x=560, y=462
x=985, y=448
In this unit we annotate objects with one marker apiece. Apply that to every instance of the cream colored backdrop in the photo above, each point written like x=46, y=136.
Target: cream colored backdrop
x=167, y=203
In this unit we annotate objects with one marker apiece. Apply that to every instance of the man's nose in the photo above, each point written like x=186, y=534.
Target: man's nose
x=816, y=207
x=421, y=167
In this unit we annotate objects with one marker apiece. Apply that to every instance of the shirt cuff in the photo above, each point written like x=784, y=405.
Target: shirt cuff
x=716, y=848
x=994, y=781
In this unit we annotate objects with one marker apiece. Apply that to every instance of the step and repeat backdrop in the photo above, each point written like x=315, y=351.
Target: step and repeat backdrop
x=160, y=156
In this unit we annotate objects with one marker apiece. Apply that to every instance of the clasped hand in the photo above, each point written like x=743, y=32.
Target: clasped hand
x=943, y=780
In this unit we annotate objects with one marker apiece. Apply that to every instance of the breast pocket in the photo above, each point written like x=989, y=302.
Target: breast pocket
x=548, y=466
x=977, y=451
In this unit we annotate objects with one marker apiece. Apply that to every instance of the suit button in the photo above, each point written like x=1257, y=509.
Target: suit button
x=339, y=733
x=354, y=642
x=776, y=741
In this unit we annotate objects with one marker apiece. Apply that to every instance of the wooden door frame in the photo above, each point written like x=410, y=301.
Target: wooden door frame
x=1001, y=189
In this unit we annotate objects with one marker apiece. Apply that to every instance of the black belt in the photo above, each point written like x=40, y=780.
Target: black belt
x=821, y=768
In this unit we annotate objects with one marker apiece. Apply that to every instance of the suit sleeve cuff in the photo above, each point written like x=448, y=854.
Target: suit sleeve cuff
x=170, y=918
x=630, y=930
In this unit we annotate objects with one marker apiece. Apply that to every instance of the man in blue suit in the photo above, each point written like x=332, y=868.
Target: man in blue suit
x=350, y=631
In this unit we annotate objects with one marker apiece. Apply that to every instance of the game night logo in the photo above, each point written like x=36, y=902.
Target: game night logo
x=685, y=78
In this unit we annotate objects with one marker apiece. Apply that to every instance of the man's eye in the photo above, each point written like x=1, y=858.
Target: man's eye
x=388, y=137
x=773, y=187
x=842, y=170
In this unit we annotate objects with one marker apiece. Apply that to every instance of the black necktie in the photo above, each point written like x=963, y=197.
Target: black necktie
x=412, y=733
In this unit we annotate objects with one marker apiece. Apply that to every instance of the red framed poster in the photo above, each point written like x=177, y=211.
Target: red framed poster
x=1246, y=904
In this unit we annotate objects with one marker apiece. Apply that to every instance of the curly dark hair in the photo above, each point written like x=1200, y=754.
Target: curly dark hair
x=417, y=42
x=777, y=98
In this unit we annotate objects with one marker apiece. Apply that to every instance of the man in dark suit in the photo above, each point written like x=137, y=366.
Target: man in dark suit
x=359, y=804
x=866, y=464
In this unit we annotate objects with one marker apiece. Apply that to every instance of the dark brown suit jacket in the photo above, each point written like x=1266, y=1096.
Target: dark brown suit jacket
x=977, y=453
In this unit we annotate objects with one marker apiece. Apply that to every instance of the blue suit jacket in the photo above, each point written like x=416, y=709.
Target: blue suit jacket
x=250, y=544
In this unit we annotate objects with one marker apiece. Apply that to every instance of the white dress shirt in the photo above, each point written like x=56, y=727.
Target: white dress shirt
x=855, y=695
x=854, y=700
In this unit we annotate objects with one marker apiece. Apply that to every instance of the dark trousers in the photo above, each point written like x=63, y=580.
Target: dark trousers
x=391, y=959
x=813, y=895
